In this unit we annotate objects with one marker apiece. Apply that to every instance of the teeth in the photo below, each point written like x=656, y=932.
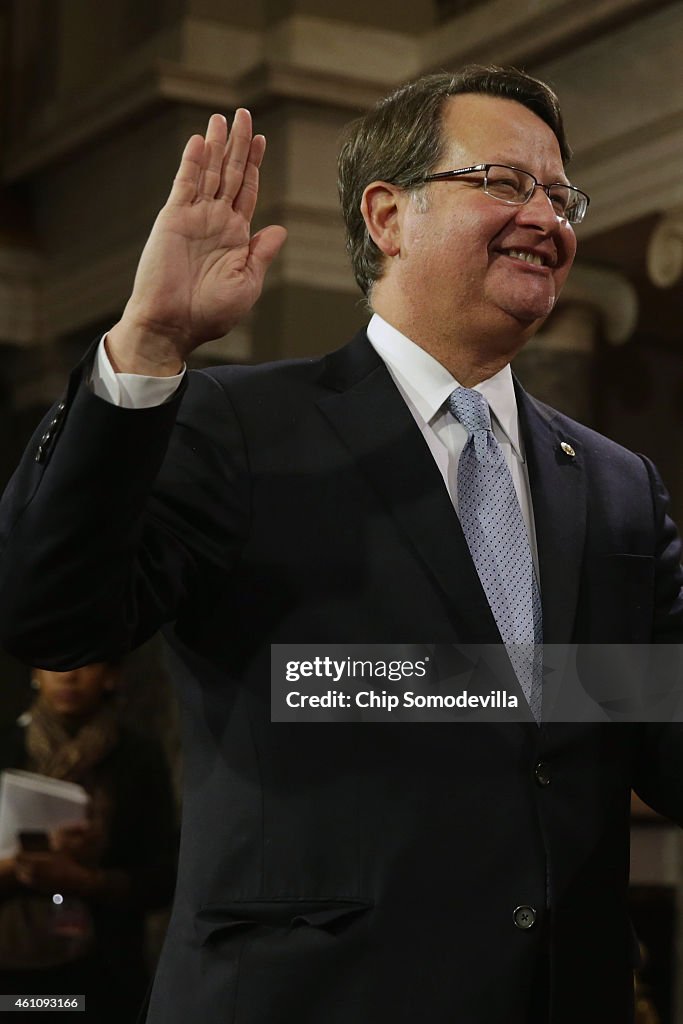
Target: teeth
x=528, y=257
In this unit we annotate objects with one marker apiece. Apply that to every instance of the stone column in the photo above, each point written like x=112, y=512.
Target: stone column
x=665, y=250
x=558, y=364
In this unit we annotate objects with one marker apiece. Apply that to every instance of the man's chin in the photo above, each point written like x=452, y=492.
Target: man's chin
x=530, y=315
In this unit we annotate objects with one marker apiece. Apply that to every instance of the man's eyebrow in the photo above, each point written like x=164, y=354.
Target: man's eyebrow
x=559, y=177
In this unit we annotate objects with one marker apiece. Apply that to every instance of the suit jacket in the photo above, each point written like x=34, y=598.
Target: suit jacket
x=342, y=873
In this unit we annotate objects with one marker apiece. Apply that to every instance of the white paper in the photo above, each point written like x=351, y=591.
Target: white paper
x=30, y=801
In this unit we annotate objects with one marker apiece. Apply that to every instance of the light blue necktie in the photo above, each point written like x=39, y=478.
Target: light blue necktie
x=497, y=537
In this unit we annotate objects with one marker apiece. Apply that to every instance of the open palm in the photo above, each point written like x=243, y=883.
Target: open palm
x=201, y=269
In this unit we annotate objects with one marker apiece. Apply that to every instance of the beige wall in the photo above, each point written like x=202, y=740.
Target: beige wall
x=100, y=97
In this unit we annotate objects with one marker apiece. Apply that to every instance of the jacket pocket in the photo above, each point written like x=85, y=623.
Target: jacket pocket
x=327, y=914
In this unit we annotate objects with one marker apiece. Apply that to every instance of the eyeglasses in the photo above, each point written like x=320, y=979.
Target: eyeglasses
x=514, y=186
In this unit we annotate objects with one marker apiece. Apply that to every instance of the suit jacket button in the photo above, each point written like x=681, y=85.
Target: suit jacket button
x=524, y=917
x=542, y=773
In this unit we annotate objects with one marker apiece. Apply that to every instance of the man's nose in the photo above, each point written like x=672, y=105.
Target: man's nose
x=539, y=211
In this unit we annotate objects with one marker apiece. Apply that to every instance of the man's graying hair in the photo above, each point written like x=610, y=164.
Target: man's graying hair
x=400, y=140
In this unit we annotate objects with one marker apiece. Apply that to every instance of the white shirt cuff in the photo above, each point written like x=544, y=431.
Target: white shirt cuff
x=129, y=390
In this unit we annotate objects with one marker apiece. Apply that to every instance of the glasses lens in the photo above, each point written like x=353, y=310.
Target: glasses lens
x=569, y=202
x=508, y=184
x=576, y=204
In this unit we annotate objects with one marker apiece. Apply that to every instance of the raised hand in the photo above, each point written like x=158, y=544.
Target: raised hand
x=201, y=270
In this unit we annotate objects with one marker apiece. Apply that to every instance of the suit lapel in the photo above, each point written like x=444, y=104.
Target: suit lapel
x=369, y=415
x=558, y=490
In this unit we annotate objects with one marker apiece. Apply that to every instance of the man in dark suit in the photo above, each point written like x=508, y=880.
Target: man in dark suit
x=340, y=873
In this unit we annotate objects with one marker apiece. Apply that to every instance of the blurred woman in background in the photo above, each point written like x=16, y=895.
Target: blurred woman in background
x=72, y=914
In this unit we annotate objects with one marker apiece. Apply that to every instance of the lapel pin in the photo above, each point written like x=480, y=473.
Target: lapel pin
x=567, y=449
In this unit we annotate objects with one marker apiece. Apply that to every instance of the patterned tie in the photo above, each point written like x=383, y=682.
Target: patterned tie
x=496, y=535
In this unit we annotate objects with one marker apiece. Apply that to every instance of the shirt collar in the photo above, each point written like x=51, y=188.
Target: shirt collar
x=427, y=384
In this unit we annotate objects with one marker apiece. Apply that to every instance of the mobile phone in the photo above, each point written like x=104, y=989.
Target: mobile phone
x=34, y=841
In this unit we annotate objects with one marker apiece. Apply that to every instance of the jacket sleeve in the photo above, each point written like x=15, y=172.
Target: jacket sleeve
x=113, y=517
x=658, y=776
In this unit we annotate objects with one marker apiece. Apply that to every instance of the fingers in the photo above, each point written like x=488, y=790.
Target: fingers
x=237, y=155
x=23, y=874
x=212, y=167
x=245, y=200
x=28, y=866
x=184, y=190
x=265, y=245
x=69, y=837
x=212, y=162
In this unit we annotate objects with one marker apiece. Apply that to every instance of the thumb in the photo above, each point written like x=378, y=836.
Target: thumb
x=265, y=245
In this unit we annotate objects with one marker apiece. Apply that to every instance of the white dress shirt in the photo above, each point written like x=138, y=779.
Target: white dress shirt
x=421, y=380
x=425, y=386
x=129, y=390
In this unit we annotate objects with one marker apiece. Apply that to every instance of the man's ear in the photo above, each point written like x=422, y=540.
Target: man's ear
x=381, y=208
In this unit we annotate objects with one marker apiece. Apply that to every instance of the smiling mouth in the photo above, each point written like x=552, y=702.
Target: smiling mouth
x=534, y=259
